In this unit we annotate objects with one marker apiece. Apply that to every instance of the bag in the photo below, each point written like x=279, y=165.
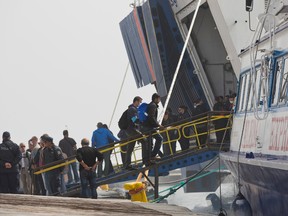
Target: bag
x=142, y=112
x=123, y=121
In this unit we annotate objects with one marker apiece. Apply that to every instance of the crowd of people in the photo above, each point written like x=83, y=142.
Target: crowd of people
x=17, y=160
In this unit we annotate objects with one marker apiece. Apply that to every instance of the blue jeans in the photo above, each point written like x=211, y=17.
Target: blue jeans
x=63, y=185
x=73, y=167
x=88, y=177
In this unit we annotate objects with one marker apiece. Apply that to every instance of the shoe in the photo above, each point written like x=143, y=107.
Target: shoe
x=156, y=158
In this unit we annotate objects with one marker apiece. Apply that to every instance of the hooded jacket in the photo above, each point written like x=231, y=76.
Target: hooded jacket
x=152, y=111
x=101, y=137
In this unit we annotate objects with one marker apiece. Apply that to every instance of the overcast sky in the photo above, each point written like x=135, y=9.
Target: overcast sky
x=61, y=65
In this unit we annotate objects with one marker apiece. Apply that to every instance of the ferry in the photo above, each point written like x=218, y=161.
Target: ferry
x=232, y=47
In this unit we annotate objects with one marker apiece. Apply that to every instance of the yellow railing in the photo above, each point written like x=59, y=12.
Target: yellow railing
x=191, y=125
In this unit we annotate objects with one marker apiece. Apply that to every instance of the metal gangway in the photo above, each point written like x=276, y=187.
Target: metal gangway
x=198, y=152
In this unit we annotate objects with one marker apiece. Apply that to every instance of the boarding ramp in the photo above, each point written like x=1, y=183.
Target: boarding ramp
x=198, y=152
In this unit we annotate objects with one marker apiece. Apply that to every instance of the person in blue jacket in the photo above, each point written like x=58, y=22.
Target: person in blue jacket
x=100, y=138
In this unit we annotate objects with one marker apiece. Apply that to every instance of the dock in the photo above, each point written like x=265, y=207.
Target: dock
x=30, y=205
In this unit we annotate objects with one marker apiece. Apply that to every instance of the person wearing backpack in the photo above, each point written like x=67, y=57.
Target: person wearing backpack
x=133, y=131
x=151, y=125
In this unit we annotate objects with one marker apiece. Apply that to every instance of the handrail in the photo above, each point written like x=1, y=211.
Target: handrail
x=179, y=127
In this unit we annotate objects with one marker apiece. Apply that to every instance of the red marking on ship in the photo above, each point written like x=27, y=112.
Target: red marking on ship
x=279, y=135
x=144, y=45
x=250, y=134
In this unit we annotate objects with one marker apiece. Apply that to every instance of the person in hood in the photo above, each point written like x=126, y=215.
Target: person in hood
x=10, y=157
x=101, y=138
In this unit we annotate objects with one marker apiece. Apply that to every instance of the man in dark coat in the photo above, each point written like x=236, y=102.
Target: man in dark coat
x=10, y=157
x=151, y=124
x=133, y=131
x=51, y=153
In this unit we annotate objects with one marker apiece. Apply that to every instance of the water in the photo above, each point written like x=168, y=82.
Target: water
x=200, y=202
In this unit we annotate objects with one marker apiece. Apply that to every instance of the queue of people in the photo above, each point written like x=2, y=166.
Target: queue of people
x=17, y=160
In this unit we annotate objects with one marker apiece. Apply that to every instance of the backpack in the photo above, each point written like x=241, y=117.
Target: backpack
x=142, y=112
x=123, y=121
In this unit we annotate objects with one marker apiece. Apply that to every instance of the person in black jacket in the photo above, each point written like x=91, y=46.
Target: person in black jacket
x=133, y=132
x=151, y=124
x=51, y=153
x=68, y=146
x=87, y=158
x=10, y=157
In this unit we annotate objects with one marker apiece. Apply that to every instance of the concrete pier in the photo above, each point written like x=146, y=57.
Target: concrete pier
x=28, y=205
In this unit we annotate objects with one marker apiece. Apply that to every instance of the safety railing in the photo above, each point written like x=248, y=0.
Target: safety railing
x=201, y=131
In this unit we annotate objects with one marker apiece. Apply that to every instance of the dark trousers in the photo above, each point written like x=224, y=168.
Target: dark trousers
x=170, y=144
x=52, y=182
x=108, y=168
x=152, y=150
x=39, y=188
x=9, y=182
x=134, y=133
x=201, y=138
x=167, y=150
x=220, y=124
x=184, y=142
x=88, y=178
x=123, y=136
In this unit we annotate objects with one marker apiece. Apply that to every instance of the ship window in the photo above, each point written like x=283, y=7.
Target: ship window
x=251, y=96
x=284, y=87
x=244, y=89
x=255, y=93
x=245, y=94
x=258, y=86
x=241, y=92
x=276, y=83
x=279, y=85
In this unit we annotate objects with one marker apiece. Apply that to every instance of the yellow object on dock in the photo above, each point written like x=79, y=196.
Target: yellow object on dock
x=104, y=187
x=137, y=190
